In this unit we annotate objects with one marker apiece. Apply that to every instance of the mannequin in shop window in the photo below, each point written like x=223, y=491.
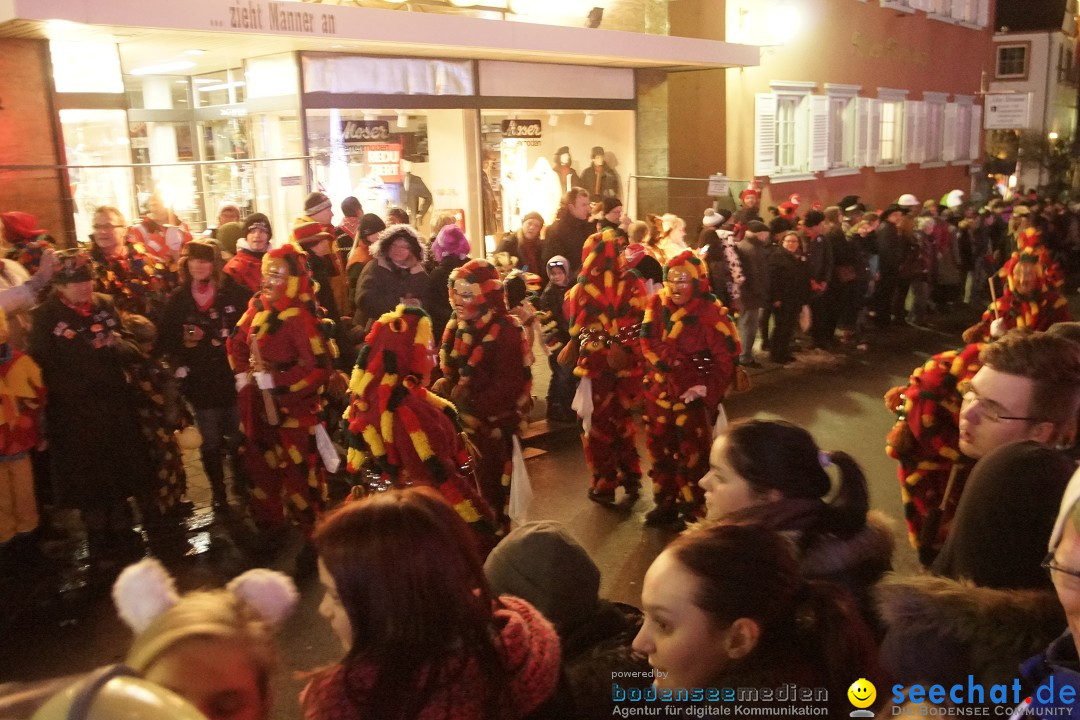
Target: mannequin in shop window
x=489, y=199
x=564, y=166
x=414, y=193
x=600, y=178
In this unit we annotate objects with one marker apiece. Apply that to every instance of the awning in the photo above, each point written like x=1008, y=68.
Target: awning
x=230, y=31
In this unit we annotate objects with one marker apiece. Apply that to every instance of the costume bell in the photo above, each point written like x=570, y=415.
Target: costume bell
x=401, y=434
x=485, y=375
x=282, y=362
x=605, y=308
x=691, y=349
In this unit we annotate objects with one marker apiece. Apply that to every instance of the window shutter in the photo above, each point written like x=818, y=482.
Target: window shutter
x=862, y=131
x=819, y=132
x=802, y=134
x=951, y=117
x=976, y=133
x=764, y=134
x=984, y=13
x=873, y=120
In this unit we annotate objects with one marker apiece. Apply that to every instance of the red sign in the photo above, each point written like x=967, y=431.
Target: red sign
x=384, y=161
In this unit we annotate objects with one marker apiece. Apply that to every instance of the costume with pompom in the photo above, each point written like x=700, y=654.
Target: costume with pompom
x=25, y=240
x=22, y=404
x=1036, y=310
x=926, y=440
x=685, y=346
x=138, y=283
x=487, y=378
x=281, y=461
x=605, y=309
x=399, y=433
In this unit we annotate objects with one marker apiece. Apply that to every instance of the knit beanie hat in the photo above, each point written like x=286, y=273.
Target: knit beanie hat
x=540, y=562
x=316, y=202
x=257, y=221
x=201, y=250
x=74, y=267
x=451, y=240
x=534, y=216
x=611, y=203
x=308, y=232
x=227, y=235
x=597, y=152
x=370, y=224
x=813, y=217
x=712, y=218
x=20, y=225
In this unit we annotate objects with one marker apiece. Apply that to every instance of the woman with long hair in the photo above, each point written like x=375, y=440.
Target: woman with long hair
x=728, y=608
x=424, y=636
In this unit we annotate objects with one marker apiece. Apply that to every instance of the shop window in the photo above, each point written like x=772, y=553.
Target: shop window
x=890, y=120
x=97, y=138
x=221, y=88
x=841, y=126
x=1012, y=61
x=157, y=92
x=86, y=67
x=163, y=144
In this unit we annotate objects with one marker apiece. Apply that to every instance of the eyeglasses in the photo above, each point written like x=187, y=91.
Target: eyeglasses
x=986, y=408
x=106, y=226
x=1051, y=566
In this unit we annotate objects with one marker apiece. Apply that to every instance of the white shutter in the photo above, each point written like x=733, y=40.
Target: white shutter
x=920, y=152
x=984, y=13
x=862, y=131
x=764, y=134
x=951, y=116
x=819, y=132
x=957, y=10
x=976, y=133
x=873, y=135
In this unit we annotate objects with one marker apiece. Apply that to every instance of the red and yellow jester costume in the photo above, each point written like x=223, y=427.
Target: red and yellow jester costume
x=1029, y=300
x=605, y=308
x=925, y=441
x=691, y=347
x=281, y=460
x=485, y=375
x=401, y=434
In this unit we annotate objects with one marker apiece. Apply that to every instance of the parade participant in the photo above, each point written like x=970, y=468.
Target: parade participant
x=245, y=267
x=161, y=233
x=214, y=648
x=691, y=350
x=727, y=607
x=1028, y=301
x=22, y=407
x=195, y=325
x=96, y=452
x=282, y=361
x=485, y=375
x=460, y=653
x=399, y=433
x=605, y=309
x=22, y=241
x=135, y=280
x=314, y=232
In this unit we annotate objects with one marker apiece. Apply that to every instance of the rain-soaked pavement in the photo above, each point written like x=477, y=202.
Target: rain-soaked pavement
x=57, y=618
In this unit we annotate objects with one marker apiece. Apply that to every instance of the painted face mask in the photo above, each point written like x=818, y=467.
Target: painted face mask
x=467, y=299
x=680, y=284
x=275, y=280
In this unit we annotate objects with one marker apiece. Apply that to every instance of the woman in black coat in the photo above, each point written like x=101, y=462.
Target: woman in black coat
x=394, y=275
x=789, y=286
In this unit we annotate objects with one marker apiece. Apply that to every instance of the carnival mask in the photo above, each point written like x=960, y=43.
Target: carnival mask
x=275, y=280
x=467, y=300
x=680, y=285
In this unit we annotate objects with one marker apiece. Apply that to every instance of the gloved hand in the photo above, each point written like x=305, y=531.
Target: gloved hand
x=242, y=381
x=997, y=328
x=264, y=380
x=694, y=393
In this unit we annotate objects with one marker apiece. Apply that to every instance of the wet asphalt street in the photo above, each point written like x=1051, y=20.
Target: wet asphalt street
x=62, y=623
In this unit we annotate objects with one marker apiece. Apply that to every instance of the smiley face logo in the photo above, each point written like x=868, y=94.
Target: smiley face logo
x=862, y=693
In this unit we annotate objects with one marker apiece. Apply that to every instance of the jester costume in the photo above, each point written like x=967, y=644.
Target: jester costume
x=401, y=434
x=1028, y=301
x=691, y=349
x=605, y=308
x=137, y=282
x=926, y=441
x=485, y=375
x=1030, y=241
x=25, y=241
x=281, y=460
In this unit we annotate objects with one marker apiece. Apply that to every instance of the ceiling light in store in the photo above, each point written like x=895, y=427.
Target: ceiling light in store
x=163, y=68
x=194, y=52
x=222, y=86
x=402, y=120
x=553, y=119
x=588, y=118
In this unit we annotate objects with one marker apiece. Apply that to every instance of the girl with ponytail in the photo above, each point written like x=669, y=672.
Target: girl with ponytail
x=772, y=473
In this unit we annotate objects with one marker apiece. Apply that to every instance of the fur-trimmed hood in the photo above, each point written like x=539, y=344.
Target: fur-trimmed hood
x=940, y=629
x=871, y=547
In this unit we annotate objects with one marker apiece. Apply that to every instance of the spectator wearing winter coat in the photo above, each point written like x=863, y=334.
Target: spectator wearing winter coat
x=450, y=250
x=755, y=288
x=393, y=276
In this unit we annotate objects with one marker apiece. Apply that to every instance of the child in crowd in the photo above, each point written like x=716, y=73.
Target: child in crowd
x=556, y=333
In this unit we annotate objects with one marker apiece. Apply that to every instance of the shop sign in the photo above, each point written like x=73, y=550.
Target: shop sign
x=1007, y=111
x=522, y=129
x=290, y=180
x=365, y=131
x=277, y=17
x=383, y=161
x=718, y=186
